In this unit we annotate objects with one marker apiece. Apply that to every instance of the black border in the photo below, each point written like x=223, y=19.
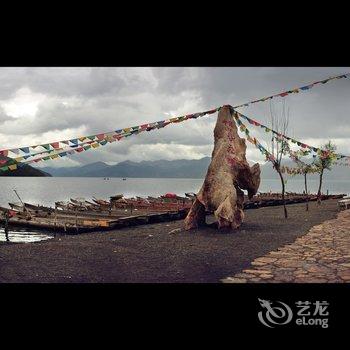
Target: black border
x=225, y=307
x=220, y=39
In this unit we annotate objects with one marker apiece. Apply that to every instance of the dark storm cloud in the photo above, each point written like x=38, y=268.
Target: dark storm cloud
x=93, y=100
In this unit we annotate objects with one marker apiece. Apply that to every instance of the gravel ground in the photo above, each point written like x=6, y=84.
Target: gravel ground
x=152, y=253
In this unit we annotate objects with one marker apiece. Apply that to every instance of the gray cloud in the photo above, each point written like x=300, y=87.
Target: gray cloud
x=93, y=100
x=4, y=116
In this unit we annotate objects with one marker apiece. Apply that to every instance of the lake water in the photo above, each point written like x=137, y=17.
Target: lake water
x=24, y=236
x=48, y=190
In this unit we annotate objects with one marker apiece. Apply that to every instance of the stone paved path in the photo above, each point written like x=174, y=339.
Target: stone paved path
x=320, y=256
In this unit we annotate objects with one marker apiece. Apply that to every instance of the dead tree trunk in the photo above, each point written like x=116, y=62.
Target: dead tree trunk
x=306, y=192
x=283, y=192
x=319, y=188
x=228, y=173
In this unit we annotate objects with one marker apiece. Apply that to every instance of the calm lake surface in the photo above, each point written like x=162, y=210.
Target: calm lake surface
x=47, y=190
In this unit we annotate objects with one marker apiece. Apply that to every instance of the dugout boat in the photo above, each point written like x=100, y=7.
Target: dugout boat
x=101, y=202
x=116, y=197
x=38, y=208
x=7, y=210
x=17, y=206
x=61, y=205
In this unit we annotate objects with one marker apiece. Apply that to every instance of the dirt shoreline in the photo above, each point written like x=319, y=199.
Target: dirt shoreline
x=149, y=254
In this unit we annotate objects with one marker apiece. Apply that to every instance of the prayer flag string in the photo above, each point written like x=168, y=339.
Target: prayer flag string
x=295, y=90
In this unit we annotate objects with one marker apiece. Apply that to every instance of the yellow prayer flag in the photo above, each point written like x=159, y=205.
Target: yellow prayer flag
x=13, y=167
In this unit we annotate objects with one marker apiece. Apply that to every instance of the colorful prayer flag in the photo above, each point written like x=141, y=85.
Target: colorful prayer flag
x=13, y=167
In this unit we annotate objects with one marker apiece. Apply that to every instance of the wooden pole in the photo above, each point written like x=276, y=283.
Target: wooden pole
x=6, y=226
x=306, y=191
x=55, y=221
x=76, y=219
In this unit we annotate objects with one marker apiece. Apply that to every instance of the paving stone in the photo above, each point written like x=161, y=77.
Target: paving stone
x=234, y=280
x=318, y=269
x=243, y=275
x=256, y=263
x=310, y=279
x=289, y=263
x=265, y=260
x=261, y=272
x=255, y=279
x=251, y=271
x=344, y=276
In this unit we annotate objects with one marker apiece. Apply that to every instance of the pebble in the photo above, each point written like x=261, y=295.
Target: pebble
x=174, y=231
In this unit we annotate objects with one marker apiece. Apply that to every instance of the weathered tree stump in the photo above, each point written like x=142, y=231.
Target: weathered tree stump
x=228, y=174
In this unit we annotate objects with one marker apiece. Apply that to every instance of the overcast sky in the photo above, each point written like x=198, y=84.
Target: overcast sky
x=39, y=105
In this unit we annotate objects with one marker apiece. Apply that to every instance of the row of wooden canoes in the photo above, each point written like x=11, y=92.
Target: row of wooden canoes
x=102, y=216
x=68, y=222
x=116, y=207
x=80, y=215
x=116, y=202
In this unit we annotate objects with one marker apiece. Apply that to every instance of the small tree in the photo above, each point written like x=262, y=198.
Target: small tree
x=279, y=146
x=304, y=169
x=324, y=160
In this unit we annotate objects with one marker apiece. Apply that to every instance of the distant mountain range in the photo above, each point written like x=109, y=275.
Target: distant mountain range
x=182, y=168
